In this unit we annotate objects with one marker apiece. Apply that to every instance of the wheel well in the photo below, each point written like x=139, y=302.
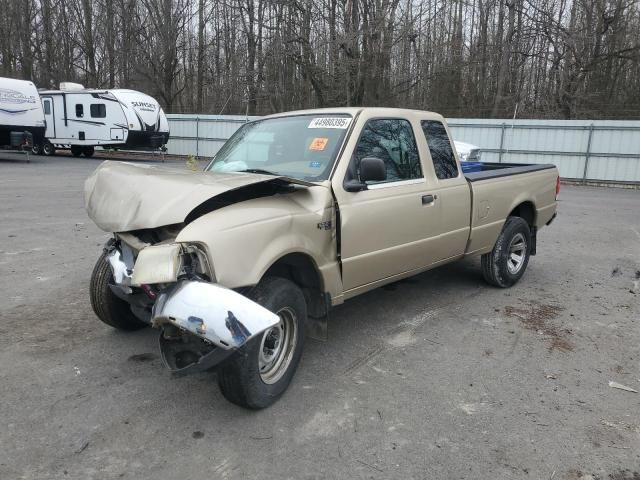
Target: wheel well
x=301, y=269
x=526, y=211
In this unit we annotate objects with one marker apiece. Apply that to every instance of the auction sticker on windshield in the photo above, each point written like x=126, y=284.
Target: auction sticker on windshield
x=318, y=143
x=330, y=122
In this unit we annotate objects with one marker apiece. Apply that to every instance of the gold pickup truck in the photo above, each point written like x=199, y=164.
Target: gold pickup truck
x=295, y=214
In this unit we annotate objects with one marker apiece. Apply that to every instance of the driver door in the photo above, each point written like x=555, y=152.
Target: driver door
x=386, y=227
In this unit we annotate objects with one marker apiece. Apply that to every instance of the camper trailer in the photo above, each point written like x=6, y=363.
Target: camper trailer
x=80, y=119
x=20, y=111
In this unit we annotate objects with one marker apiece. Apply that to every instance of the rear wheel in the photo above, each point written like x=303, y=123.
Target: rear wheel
x=76, y=150
x=508, y=260
x=37, y=149
x=48, y=149
x=110, y=309
x=88, y=151
x=256, y=375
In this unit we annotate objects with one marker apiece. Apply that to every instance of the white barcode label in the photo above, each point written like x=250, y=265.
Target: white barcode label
x=330, y=122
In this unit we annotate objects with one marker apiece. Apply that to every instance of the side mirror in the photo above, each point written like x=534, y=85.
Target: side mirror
x=372, y=169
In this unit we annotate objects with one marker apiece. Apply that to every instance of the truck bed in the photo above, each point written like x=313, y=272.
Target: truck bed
x=496, y=170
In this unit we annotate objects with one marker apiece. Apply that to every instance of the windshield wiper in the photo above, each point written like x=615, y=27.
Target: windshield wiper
x=259, y=170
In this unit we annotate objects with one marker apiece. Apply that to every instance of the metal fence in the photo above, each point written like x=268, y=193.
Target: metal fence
x=201, y=135
x=599, y=150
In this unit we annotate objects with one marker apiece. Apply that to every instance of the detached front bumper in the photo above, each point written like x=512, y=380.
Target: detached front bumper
x=202, y=323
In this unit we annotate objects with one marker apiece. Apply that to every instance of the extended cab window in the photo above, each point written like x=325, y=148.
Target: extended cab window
x=98, y=110
x=392, y=141
x=444, y=162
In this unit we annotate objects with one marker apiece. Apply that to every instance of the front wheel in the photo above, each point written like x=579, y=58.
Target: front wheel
x=506, y=263
x=110, y=309
x=257, y=374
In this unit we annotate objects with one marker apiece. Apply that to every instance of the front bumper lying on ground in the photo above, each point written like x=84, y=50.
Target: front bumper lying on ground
x=203, y=323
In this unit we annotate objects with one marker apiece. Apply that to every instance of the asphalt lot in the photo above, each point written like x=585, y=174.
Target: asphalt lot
x=438, y=377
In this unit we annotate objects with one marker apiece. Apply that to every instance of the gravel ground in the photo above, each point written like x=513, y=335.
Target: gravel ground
x=437, y=377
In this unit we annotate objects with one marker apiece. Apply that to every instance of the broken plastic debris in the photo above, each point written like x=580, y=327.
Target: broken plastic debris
x=622, y=387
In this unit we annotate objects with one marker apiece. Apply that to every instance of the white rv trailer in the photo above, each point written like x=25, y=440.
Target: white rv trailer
x=81, y=119
x=20, y=110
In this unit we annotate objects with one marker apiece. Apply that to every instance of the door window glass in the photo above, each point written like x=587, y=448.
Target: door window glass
x=444, y=162
x=79, y=110
x=47, y=107
x=392, y=141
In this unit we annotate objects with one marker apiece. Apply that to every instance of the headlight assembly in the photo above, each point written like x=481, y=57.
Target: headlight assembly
x=157, y=264
x=167, y=263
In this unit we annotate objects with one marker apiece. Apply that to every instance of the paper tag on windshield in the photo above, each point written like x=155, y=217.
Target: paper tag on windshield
x=330, y=122
x=318, y=144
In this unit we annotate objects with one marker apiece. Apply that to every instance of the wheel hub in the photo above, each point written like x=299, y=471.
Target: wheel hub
x=271, y=344
x=517, y=253
x=277, y=347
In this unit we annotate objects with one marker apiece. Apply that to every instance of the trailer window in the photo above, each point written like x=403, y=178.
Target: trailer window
x=98, y=110
x=79, y=110
x=47, y=107
x=444, y=162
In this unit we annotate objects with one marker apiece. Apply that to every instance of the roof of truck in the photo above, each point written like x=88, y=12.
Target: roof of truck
x=374, y=111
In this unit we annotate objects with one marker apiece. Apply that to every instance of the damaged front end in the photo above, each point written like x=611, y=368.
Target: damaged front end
x=172, y=286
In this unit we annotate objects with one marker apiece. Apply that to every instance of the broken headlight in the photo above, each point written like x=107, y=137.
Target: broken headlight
x=195, y=263
x=167, y=263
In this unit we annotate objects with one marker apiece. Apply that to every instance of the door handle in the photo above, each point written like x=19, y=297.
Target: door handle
x=428, y=199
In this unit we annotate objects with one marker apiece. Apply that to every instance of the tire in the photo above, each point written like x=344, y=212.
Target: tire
x=36, y=149
x=503, y=267
x=48, y=149
x=88, y=151
x=110, y=309
x=76, y=150
x=247, y=378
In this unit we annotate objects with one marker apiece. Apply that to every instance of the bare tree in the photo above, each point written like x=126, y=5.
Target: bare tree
x=551, y=58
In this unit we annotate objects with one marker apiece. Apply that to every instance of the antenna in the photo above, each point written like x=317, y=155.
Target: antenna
x=225, y=104
x=246, y=97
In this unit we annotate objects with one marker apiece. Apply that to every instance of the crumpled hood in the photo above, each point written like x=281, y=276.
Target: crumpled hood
x=121, y=196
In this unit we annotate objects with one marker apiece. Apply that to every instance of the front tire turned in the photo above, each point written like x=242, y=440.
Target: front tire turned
x=507, y=262
x=108, y=308
x=258, y=373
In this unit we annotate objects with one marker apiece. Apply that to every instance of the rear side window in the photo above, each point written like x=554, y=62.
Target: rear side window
x=98, y=110
x=79, y=110
x=444, y=161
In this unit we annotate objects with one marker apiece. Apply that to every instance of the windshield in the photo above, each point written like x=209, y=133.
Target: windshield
x=299, y=146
